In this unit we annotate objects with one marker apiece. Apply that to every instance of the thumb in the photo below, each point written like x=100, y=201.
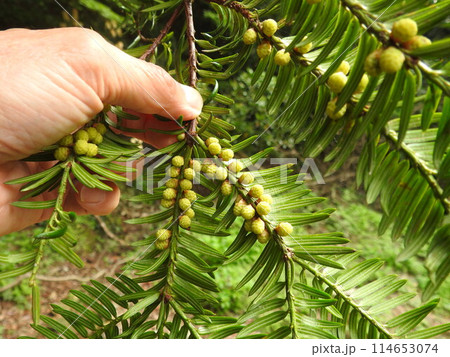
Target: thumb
x=139, y=85
x=92, y=201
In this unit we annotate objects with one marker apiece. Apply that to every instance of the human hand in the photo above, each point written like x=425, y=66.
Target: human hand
x=55, y=81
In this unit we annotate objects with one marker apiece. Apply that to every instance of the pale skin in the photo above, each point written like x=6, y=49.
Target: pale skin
x=53, y=82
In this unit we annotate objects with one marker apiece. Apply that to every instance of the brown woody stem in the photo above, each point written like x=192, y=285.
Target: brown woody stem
x=190, y=33
x=162, y=34
x=192, y=61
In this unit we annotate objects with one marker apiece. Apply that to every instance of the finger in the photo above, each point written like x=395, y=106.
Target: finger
x=15, y=218
x=86, y=201
x=146, y=123
x=92, y=201
x=132, y=83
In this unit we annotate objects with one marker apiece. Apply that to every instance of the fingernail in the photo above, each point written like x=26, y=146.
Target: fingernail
x=92, y=196
x=193, y=100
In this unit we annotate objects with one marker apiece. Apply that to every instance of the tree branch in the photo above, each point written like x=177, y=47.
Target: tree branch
x=289, y=278
x=380, y=31
x=108, y=232
x=257, y=26
x=162, y=34
x=192, y=61
x=190, y=33
x=185, y=319
x=238, y=7
x=369, y=21
x=424, y=170
x=339, y=291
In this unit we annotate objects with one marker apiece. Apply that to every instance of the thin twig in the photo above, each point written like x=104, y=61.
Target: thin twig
x=163, y=33
x=274, y=40
x=192, y=59
x=190, y=33
x=108, y=232
x=51, y=222
x=178, y=309
x=78, y=278
x=238, y=7
x=81, y=279
x=16, y=282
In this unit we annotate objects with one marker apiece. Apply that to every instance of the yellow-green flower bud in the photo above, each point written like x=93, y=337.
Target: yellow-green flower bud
x=263, y=208
x=92, y=150
x=269, y=27
x=226, y=189
x=418, y=42
x=305, y=48
x=169, y=193
x=181, y=137
x=227, y=154
x=372, y=63
x=256, y=191
x=235, y=166
x=248, y=212
x=249, y=36
x=178, y=161
x=337, y=82
x=163, y=234
x=172, y=183
x=344, y=67
x=190, y=195
x=185, y=222
x=221, y=173
x=331, y=110
x=162, y=244
x=98, y=139
x=167, y=203
x=282, y=58
x=403, y=30
x=62, y=153
x=189, y=174
x=190, y=213
x=258, y=226
x=81, y=147
x=263, y=49
x=66, y=141
x=184, y=204
x=362, y=83
x=195, y=165
x=211, y=140
x=101, y=128
x=209, y=169
x=214, y=148
x=266, y=198
x=391, y=60
x=174, y=171
x=246, y=178
x=185, y=184
x=264, y=237
x=284, y=229
x=92, y=133
x=81, y=135
x=248, y=225
x=237, y=209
